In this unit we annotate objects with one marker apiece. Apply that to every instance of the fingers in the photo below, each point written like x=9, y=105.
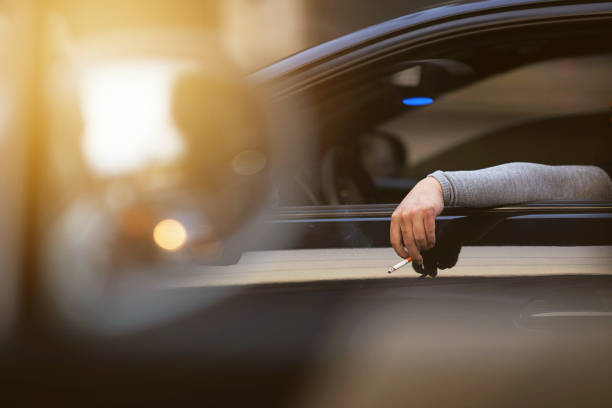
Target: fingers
x=429, y=223
x=396, y=236
x=418, y=230
x=414, y=219
x=407, y=227
x=412, y=232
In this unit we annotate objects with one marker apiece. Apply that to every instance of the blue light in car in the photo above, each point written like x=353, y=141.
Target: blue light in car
x=417, y=101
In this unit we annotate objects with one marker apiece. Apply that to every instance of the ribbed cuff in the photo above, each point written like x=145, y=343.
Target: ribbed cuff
x=447, y=187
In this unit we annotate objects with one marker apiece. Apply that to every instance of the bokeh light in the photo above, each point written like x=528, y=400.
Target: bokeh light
x=170, y=235
x=249, y=162
x=126, y=109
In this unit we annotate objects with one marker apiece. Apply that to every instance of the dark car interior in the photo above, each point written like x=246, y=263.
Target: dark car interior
x=360, y=163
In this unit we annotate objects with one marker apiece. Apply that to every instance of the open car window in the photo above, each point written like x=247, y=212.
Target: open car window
x=459, y=111
x=552, y=112
x=377, y=133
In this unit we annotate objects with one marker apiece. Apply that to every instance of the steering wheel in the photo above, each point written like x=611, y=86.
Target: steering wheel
x=344, y=180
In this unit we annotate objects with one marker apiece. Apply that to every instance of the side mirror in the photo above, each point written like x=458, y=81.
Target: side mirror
x=207, y=193
x=137, y=200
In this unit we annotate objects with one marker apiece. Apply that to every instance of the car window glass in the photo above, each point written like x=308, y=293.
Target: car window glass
x=559, y=108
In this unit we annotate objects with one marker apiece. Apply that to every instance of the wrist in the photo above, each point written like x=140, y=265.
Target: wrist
x=434, y=183
x=448, y=195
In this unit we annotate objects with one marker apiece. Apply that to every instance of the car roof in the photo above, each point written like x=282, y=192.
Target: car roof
x=365, y=36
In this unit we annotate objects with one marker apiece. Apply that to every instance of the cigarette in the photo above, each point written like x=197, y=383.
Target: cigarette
x=399, y=265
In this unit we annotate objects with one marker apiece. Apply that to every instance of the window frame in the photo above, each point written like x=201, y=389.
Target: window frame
x=346, y=226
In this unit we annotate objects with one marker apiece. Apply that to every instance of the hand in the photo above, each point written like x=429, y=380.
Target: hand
x=413, y=223
x=450, y=237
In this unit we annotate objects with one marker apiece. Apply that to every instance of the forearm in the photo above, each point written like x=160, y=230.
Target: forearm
x=514, y=183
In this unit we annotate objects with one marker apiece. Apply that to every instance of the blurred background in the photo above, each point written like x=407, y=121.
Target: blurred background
x=94, y=73
x=94, y=143
x=253, y=32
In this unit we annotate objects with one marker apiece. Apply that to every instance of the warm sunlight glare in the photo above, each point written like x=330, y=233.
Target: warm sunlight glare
x=126, y=105
x=170, y=235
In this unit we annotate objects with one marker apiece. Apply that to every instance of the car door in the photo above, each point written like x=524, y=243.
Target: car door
x=487, y=112
x=529, y=292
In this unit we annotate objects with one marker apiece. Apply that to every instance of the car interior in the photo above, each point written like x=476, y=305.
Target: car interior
x=375, y=143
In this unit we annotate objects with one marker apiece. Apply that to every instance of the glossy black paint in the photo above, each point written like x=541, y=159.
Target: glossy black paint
x=559, y=224
x=348, y=53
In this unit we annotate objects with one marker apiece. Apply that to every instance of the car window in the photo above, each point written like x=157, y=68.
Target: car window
x=552, y=112
x=377, y=131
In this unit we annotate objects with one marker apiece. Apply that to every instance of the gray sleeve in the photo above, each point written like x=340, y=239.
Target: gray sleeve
x=514, y=183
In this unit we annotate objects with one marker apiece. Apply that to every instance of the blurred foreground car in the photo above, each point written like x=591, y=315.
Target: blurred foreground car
x=308, y=316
